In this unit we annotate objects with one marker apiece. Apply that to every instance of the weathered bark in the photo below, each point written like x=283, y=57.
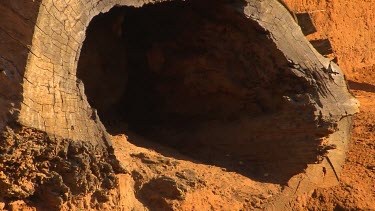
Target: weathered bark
x=46, y=117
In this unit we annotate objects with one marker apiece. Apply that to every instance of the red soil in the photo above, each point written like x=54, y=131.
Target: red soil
x=350, y=27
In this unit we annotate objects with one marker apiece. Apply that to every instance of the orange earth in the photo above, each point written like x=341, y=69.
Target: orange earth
x=350, y=27
x=212, y=188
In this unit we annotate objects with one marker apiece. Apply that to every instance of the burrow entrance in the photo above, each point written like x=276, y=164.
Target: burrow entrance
x=202, y=78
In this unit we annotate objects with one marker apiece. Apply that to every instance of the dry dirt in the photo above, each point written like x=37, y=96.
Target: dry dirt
x=203, y=187
x=357, y=187
x=192, y=185
x=350, y=27
x=186, y=184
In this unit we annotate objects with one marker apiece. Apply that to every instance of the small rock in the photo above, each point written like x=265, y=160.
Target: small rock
x=256, y=202
x=163, y=187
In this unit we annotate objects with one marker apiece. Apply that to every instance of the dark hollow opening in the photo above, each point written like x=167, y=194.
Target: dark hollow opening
x=202, y=78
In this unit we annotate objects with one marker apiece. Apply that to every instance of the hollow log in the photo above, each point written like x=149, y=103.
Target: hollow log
x=242, y=70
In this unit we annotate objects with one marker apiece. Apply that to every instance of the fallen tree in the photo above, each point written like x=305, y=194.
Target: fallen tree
x=259, y=72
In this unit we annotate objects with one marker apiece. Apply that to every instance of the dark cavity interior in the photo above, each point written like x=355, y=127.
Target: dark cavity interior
x=200, y=77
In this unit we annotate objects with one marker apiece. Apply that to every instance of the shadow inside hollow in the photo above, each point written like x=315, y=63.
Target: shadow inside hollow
x=208, y=83
x=361, y=86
